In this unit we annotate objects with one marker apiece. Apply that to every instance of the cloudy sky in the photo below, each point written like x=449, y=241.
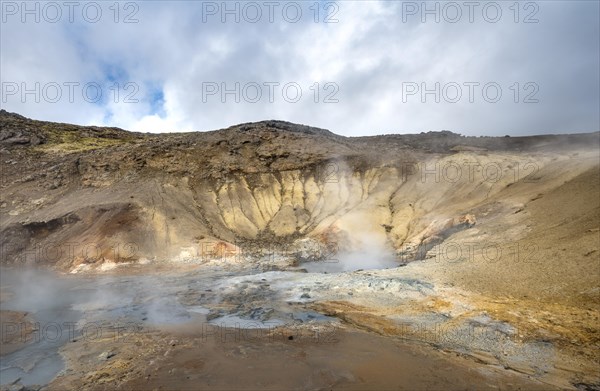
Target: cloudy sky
x=354, y=67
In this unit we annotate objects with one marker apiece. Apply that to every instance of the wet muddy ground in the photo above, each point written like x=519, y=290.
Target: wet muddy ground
x=213, y=328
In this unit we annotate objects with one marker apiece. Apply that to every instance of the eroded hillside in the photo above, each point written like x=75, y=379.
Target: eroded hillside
x=73, y=195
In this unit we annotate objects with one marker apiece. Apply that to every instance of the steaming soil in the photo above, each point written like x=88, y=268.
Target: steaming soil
x=126, y=339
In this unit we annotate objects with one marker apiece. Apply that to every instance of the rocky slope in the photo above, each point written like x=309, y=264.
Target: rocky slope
x=75, y=194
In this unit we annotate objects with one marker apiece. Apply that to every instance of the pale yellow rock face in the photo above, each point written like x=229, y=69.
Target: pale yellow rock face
x=385, y=206
x=393, y=205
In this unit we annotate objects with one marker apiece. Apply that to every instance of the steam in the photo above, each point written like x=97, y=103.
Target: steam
x=366, y=250
x=103, y=300
x=34, y=289
x=363, y=244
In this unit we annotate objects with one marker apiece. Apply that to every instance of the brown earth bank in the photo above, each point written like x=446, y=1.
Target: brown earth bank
x=502, y=233
x=188, y=359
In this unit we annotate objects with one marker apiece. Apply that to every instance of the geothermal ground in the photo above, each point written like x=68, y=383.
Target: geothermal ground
x=279, y=256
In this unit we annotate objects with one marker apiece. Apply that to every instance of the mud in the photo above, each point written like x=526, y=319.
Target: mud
x=222, y=328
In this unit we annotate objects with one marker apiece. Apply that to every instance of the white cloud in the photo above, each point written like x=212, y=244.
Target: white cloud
x=171, y=53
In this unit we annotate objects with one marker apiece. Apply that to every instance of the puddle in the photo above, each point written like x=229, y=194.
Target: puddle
x=235, y=321
x=311, y=316
x=199, y=310
x=351, y=262
x=44, y=370
x=39, y=361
